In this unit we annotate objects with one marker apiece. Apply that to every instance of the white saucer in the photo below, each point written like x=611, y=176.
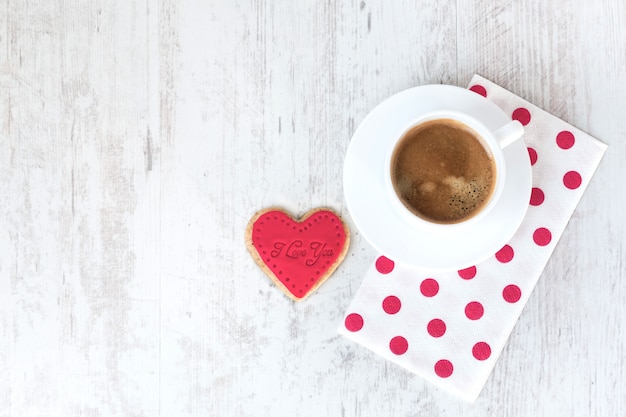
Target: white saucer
x=374, y=214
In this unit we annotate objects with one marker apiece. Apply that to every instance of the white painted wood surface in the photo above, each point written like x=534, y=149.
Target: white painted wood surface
x=138, y=137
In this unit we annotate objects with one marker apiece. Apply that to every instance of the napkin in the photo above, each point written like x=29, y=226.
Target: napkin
x=450, y=327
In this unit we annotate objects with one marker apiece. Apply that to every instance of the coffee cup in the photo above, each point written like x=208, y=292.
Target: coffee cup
x=446, y=170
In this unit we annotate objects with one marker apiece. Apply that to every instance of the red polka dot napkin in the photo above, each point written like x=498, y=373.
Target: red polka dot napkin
x=450, y=327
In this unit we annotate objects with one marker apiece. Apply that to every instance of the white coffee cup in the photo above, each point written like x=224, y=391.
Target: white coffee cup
x=493, y=141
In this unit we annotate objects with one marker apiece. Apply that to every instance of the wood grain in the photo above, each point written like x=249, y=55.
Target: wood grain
x=138, y=138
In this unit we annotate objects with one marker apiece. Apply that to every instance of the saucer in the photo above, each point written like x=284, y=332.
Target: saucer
x=385, y=228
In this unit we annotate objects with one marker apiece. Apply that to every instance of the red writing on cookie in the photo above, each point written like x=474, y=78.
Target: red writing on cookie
x=298, y=255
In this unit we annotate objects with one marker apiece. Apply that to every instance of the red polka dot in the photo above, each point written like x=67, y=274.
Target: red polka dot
x=522, y=115
x=384, y=265
x=565, y=139
x=511, y=293
x=536, y=196
x=467, y=273
x=429, y=287
x=532, y=153
x=572, y=180
x=474, y=310
x=391, y=304
x=444, y=368
x=505, y=254
x=436, y=328
x=542, y=236
x=479, y=89
x=481, y=351
x=398, y=345
x=354, y=322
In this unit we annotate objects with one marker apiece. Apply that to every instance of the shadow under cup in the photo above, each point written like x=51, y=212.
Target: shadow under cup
x=446, y=169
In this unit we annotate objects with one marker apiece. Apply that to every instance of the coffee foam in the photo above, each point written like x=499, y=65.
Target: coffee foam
x=442, y=172
x=466, y=196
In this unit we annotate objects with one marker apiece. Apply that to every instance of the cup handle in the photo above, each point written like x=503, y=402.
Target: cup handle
x=509, y=133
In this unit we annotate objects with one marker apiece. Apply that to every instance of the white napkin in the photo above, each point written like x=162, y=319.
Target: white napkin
x=450, y=327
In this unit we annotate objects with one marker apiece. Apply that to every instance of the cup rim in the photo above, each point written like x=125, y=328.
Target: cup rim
x=488, y=139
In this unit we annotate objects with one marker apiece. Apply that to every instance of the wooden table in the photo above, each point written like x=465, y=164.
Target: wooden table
x=138, y=137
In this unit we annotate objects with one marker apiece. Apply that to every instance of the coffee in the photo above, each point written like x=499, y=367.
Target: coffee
x=442, y=171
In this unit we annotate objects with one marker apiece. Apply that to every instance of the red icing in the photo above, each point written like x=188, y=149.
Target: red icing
x=299, y=254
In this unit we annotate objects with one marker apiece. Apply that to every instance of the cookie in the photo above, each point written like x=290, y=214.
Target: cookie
x=297, y=254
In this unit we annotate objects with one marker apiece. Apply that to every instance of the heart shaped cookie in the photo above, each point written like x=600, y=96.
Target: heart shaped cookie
x=298, y=255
